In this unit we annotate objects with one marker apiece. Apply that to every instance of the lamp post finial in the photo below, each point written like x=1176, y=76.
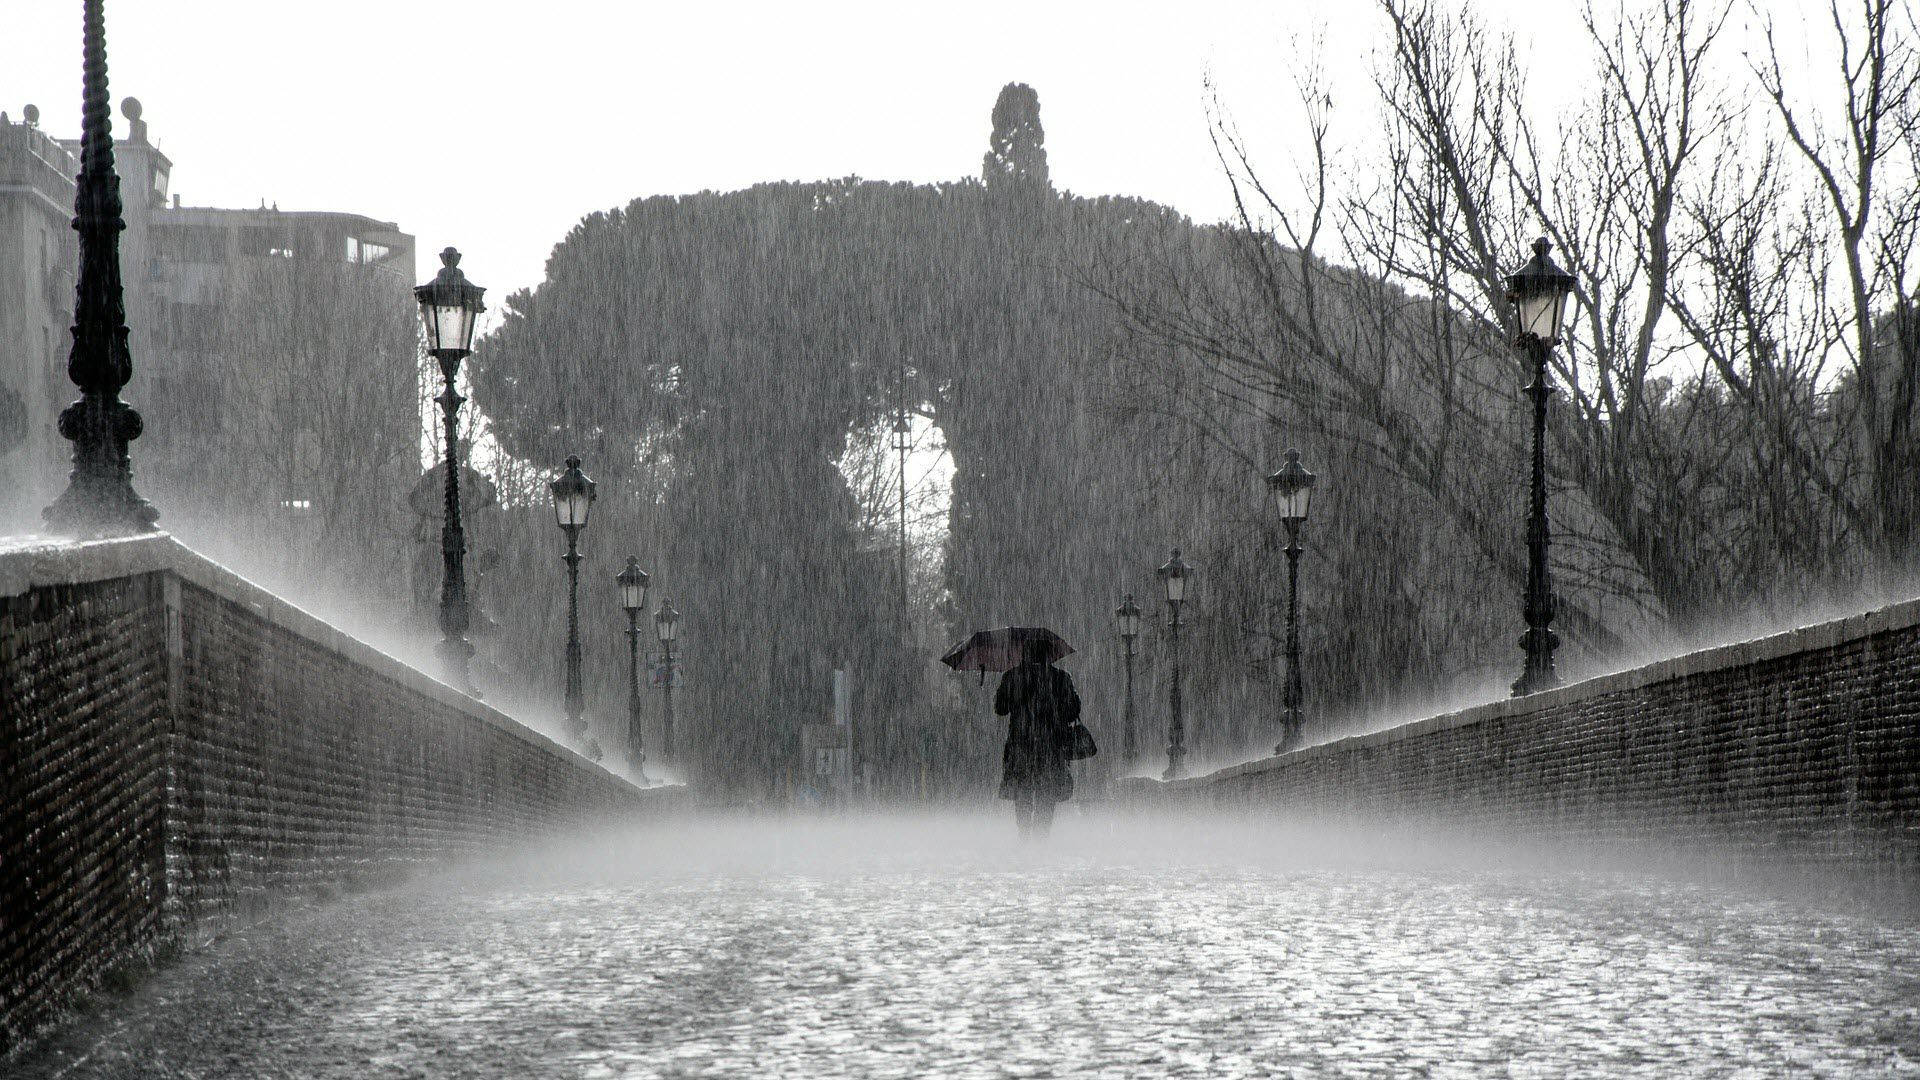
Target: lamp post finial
x=99, y=499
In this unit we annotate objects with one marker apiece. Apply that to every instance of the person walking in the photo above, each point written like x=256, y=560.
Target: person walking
x=1041, y=707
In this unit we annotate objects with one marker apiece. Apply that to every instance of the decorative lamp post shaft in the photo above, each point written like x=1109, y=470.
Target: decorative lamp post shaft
x=1128, y=617
x=903, y=442
x=635, y=749
x=667, y=621
x=1177, y=724
x=1294, y=694
x=99, y=499
x=1539, y=640
x=666, y=702
x=454, y=649
x=576, y=701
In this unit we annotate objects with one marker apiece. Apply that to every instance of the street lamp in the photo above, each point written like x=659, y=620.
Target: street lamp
x=633, y=597
x=573, y=495
x=1538, y=292
x=1292, y=489
x=666, y=623
x=903, y=444
x=1174, y=576
x=99, y=499
x=1127, y=615
x=449, y=307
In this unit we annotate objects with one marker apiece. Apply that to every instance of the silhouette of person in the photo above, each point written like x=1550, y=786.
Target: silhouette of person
x=1040, y=705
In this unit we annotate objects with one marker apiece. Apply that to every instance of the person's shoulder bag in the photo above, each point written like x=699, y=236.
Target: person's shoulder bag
x=1080, y=744
x=1077, y=740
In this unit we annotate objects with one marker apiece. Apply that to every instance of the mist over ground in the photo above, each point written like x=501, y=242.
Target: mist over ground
x=904, y=944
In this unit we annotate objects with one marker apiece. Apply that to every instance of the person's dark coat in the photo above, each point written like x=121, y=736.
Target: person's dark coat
x=1040, y=705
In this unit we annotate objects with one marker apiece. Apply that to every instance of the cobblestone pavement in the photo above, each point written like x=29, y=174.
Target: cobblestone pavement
x=940, y=948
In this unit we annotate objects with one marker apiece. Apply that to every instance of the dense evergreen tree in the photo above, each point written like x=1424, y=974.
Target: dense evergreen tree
x=1017, y=149
x=1112, y=381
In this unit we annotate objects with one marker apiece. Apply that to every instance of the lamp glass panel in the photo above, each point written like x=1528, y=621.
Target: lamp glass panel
x=1293, y=505
x=1176, y=588
x=633, y=597
x=1130, y=625
x=1540, y=314
x=430, y=322
x=668, y=627
x=572, y=509
x=449, y=326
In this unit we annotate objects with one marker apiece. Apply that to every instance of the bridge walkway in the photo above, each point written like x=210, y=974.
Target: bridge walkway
x=919, y=947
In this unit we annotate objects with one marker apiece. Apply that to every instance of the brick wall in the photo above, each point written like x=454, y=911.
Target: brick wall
x=1803, y=746
x=179, y=748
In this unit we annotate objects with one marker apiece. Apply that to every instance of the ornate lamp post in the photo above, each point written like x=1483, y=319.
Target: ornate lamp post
x=903, y=444
x=633, y=597
x=1538, y=291
x=666, y=623
x=1292, y=488
x=449, y=307
x=1174, y=576
x=99, y=499
x=573, y=496
x=1127, y=615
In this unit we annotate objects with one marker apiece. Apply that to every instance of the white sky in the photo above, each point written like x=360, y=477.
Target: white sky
x=497, y=130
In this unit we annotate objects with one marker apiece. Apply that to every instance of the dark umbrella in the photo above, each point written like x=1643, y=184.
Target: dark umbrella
x=1002, y=649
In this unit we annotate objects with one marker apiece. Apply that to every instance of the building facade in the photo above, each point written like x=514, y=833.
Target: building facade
x=38, y=259
x=274, y=352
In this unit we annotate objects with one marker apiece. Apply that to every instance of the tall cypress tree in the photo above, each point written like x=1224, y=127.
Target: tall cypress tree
x=1017, y=150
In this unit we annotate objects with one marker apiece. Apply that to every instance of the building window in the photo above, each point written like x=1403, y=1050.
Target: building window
x=361, y=253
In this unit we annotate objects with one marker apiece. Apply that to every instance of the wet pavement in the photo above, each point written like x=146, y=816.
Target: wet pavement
x=942, y=948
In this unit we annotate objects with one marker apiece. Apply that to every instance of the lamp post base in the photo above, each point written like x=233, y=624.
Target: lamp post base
x=454, y=653
x=1290, y=739
x=1532, y=683
x=99, y=500
x=1538, y=643
x=94, y=508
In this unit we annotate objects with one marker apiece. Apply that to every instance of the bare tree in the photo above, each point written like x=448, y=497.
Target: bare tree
x=1866, y=180
x=1695, y=450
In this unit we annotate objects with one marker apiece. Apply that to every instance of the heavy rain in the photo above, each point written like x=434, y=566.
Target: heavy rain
x=1003, y=591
